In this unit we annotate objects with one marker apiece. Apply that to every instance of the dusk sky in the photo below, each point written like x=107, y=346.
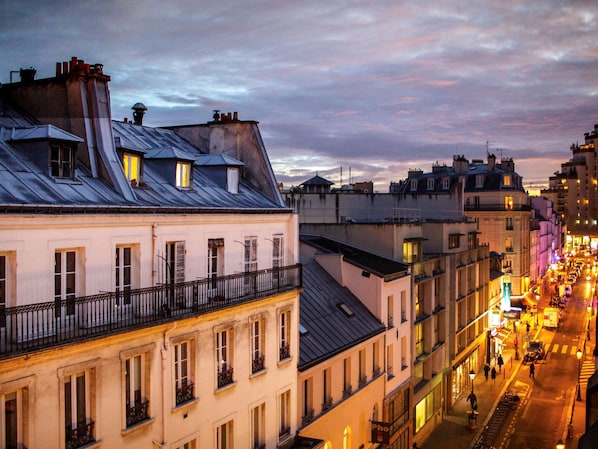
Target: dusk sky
x=374, y=87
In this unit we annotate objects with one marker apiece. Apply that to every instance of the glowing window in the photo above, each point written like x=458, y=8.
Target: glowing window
x=131, y=165
x=183, y=174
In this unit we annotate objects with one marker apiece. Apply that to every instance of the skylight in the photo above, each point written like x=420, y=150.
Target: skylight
x=346, y=309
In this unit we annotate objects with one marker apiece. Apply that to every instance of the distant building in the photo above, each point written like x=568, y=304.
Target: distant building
x=575, y=188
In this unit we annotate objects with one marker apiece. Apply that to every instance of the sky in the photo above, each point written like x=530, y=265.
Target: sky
x=351, y=90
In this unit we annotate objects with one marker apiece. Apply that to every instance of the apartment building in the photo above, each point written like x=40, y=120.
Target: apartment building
x=383, y=287
x=149, y=283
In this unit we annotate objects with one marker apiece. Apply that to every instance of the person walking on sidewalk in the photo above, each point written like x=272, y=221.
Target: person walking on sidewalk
x=493, y=375
x=486, y=370
x=500, y=362
x=532, y=370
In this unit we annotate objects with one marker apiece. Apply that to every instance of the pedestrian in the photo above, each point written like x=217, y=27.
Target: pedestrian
x=486, y=370
x=527, y=326
x=493, y=374
x=500, y=362
x=532, y=370
x=473, y=400
x=415, y=446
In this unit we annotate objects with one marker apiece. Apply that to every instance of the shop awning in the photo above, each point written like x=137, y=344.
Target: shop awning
x=502, y=334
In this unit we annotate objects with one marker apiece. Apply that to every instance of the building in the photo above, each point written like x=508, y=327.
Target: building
x=383, y=287
x=576, y=189
x=149, y=281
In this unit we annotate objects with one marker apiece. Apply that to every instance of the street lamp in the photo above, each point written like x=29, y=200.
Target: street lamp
x=579, y=354
x=560, y=444
x=472, y=376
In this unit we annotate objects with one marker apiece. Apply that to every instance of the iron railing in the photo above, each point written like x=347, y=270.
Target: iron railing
x=184, y=393
x=225, y=375
x=35, y=327
x=79, y=436
x=137, y=413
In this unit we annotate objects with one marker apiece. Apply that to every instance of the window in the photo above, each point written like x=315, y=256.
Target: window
x=12, y=430
x=411, y=251
x=508, y=202
x=403, y=306
x=506, y=180
x=62, y=161
x=308, y=408
x=136, y=388
x=436, y=324
x=375, y=359
x=418, y=302
x=472, y=240
x=446, y=182
x=277, y=251
x=232, y=180
x=389, y=361
x=362, y=376
x=413, y=185
x=347, y=387
x=65, y=282
x=224, y=436
x=284, y=415
x=403, y=352
x=430, y=184
x=509, y=224
x=454, y=241
x=258, y=427
x=132, y=166
x=509, y=244
x=3, y=288
x=123, y=267
x=326, y=390
x=78, y=411
x=224, y=357
x=479, y=181
x=419, y=339
x=284, y=334
x=174, y=265
x=250, y=254
x=390, y=310
x=257, y=345
x=183, y=174
x=183, y=375
x=215, y=263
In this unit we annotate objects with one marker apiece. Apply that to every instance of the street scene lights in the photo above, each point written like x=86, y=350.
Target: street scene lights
x=560, y=444
x=472, y=376
x=579, y=354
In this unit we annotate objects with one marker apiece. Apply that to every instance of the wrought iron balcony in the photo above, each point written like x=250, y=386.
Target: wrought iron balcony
x=35, y=327
x=184, y=393
x=225, y=375
x=79, y=436
x=285, y=351
x=257, y=364
x=137, y=413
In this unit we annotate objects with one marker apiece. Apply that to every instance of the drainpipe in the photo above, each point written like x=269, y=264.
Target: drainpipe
x=164, y=350
x=154, y=239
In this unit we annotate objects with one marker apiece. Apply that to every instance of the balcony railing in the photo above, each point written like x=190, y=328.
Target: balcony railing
x=137, y=413
x=257, y=364
x=39, y=326
x=184, y=393
x=497, y=207
x=79, y=436
x=225, y=375
x=285, y=351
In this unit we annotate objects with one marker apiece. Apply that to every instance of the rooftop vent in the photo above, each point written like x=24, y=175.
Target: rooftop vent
x=138, y=113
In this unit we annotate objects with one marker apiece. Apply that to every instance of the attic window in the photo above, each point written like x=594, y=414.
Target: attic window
x=132, y=166
x=413, y=184
x=430, y=183
x=183, y=174
x=232, y=180
x=445, y=183
x=62, y=161
x=479, y=181
x=346, y=309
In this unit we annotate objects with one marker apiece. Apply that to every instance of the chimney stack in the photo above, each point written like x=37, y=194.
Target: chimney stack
x=138, y=113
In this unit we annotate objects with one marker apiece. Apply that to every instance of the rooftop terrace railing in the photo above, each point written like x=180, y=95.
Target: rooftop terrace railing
x=34, y=327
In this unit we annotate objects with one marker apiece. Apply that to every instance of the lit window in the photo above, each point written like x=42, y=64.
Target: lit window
x=132, y=165
x=506, y=180
x=419, y=339
x=183, y=174
x=453, y=241
x=62, y=161
x=508, y=202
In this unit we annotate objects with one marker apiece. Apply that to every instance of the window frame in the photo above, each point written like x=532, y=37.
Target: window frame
x=183, y=370
x=257, y=343
x=224, y=353
x=284, y=415
x=284, y=334
x=66, y=281
x=59, y=162
x=139, y=412
x=183, y=174
x=132, y=166
x=21, y=389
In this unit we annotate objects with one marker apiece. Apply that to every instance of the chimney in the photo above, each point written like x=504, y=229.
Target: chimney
x=491, y=161
x=27, y=75
x=138, y=113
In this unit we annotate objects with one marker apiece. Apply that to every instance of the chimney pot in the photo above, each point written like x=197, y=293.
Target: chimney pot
x=138, y=113
x=58, y=69
x=235, y=116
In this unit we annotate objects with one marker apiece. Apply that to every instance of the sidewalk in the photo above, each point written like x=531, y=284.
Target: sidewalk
x=454, y=431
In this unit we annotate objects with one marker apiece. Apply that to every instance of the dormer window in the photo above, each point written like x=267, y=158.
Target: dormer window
x=413, y=185
x=232, y=179
x=446, y=183
x=183, y=174
x=430, y=183
x=62, y=161
x=506, y=180
x=132, y=166
x=479, y=181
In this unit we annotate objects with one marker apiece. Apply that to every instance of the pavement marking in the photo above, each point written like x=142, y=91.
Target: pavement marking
x=564, y=349
x=555, y=347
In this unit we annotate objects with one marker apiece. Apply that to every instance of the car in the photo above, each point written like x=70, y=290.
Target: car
x=534, y=351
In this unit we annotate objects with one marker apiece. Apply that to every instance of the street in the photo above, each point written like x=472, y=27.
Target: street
x=550, y=409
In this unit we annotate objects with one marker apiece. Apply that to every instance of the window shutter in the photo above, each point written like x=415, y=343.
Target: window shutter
x=179, y=275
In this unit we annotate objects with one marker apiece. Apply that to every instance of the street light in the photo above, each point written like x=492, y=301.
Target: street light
x=560, y=444
x=579, y=354
x=472, y=376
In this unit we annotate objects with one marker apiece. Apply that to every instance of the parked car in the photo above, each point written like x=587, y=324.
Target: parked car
x=534, y=351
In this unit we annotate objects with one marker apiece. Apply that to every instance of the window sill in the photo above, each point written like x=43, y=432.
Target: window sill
x=226, y=387
x=284, y=361
x=185, y=405
x=258, y=373
x=140, y=425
